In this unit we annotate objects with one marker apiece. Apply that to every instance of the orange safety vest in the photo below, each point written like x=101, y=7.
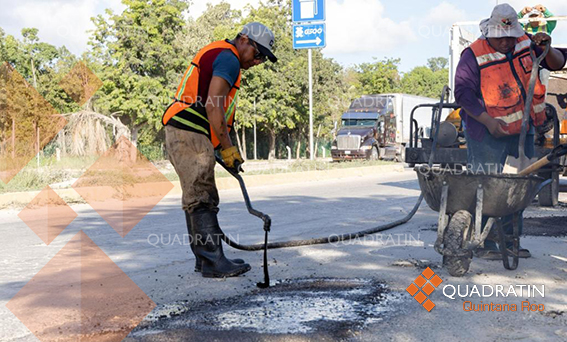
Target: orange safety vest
x=504, y=83
x=186, y=98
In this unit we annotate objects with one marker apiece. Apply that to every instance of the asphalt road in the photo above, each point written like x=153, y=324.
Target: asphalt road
x=163, y=267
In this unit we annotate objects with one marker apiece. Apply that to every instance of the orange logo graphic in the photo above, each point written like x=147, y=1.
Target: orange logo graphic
x=427, y=282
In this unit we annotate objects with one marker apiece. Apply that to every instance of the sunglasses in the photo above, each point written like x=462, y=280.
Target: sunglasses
x=257, y=54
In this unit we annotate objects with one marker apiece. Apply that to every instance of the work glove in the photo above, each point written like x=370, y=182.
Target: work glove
x=232, y=158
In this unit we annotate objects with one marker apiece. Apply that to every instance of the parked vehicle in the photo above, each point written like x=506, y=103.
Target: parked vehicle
x=377, y=127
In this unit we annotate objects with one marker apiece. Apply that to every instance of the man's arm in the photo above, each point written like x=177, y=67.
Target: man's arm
x=218, y=91
x=467, y=84
x=547, y=14
x=555, y=59
x=550, y=23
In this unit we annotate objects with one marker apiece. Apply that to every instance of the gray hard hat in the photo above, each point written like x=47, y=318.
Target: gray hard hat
x=263, y=36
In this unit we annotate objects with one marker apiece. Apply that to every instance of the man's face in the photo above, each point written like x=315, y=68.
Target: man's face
x=503, y=45
x=533, y=20
x=250, y=56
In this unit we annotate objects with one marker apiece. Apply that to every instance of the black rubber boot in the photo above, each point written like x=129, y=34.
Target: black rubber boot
x=198, y=263
x=207, y=246
x=509, y=230
x=490, y=251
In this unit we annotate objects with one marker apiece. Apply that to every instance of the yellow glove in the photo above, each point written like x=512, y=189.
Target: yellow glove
x=231, y=157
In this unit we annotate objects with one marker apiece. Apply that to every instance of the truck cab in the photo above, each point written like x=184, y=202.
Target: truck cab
x=368, y=125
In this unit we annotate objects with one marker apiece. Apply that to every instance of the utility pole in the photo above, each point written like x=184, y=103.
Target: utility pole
x=311, y=152
x=255, y=150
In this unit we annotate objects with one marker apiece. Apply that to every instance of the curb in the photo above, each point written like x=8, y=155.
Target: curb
x=224, y=183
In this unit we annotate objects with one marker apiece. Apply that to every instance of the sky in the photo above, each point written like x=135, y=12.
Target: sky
x=357, y=30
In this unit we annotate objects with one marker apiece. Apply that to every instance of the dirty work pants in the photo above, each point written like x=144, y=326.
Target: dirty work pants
x=192, y=156
x=490, y=154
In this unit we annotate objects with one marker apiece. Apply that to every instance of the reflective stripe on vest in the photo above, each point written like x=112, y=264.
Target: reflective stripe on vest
x=516, y=116
x=188, y=91
x=504, y=83
x=184, y=81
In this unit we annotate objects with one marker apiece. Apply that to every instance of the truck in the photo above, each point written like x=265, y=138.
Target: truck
x=378, y=127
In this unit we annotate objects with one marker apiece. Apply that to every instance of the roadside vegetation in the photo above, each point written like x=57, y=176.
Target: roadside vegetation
x=68, y=170
x=139, y=56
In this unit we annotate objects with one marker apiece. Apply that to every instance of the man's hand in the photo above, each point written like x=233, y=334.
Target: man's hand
x=555, y=59
x=497, y=128
x=231, y=157
x=540, y=8
x=526, y=10
x=541, y=38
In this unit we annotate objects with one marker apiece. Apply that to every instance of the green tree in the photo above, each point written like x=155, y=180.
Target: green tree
x=216, y=23
x=280, y=89
x=426, y=81
x=139, y=58
x=437, y=63
x=271, y=85
x=379, y=77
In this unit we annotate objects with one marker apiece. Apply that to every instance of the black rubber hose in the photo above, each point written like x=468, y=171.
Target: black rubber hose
x=347, y=236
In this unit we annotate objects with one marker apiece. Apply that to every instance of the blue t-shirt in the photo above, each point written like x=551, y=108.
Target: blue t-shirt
x=227, y=66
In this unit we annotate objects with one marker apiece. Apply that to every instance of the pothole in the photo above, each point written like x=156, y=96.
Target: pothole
x=545, y=226
x=302, y=306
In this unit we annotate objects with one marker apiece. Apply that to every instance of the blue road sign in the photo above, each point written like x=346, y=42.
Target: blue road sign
x=309, y=36
x=308, y=10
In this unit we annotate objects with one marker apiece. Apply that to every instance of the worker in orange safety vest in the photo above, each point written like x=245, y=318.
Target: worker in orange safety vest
x=198, y=122
x=491, y=86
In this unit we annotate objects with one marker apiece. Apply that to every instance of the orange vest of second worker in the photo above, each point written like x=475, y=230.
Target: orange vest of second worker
x=187, y=97
x=504, y=83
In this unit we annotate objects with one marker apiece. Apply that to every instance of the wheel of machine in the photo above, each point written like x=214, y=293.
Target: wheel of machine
x=549, y=196
x=453, y=240
x=374, y=155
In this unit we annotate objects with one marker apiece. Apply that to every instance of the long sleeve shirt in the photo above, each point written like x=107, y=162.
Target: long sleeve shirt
x=468, y=94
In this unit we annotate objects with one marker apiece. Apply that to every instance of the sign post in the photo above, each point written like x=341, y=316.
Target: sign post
x=311, y=152
x=308, y=33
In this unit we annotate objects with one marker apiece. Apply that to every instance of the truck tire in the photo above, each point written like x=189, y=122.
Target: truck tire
x=374, y=154
x=549, y=196
x=453, y=241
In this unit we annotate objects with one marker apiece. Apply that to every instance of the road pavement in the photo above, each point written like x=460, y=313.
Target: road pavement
x=154, y=256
